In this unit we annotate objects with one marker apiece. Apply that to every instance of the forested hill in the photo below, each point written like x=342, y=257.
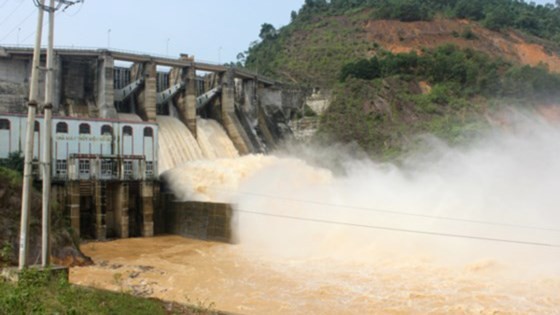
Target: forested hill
x=324, y=35
x=400, y=67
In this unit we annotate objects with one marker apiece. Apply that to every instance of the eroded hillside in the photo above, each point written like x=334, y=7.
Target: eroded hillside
x=397, y=36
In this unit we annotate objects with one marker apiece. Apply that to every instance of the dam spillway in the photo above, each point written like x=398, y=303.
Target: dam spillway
x=178, y=145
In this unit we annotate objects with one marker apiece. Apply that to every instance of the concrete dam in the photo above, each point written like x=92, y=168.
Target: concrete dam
x=123, y=119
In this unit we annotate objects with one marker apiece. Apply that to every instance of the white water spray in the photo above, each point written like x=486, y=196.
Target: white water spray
x=450, y=202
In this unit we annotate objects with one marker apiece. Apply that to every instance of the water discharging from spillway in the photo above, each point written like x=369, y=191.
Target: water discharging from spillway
x=178, y=146
x=471, y=230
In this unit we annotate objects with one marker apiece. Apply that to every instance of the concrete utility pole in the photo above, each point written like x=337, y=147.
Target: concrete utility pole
x=28, y=166
x=49, y=90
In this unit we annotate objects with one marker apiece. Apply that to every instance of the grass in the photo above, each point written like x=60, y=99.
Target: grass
x=13, y=177
x=37, y=293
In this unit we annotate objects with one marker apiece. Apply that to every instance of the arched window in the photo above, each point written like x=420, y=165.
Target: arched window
x=106, y=130
x=127, y=131
x=4, y=124
x=61, y=127
x=148, y=132
x=85, y=129
x=36, y=126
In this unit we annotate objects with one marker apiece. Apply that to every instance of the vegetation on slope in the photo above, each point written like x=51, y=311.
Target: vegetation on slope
x=385, y=100
x=324, y=35
x=456, y=72
x=382, y=99
x=539, y=20
x=65, y=249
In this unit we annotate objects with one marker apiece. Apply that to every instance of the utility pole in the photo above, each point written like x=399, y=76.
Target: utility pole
x=28, y=158
x=46, y=160
x=49, y=90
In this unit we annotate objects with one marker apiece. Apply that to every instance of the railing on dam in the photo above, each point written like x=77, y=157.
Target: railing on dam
x=104, y=168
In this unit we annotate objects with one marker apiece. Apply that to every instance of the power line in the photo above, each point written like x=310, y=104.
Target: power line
x=390, y=229
x=392, y=212
x=28, y=36
x=12, y=13
x=18, y=25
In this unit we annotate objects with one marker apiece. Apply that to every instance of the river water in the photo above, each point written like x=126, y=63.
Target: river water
x=231, y=278
x=449, y=231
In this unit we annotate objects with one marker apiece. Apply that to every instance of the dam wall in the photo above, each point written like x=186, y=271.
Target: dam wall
x=200, y=220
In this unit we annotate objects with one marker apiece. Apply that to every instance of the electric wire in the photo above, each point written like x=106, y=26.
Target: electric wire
x=45, y=22
x=402, y=230
x=18, y=25
x=12, y=13
x=77, y=11
x=392, y=212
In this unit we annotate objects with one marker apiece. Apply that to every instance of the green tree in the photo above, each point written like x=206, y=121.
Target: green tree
x=268, y=32
x=469, y=9
x=14, y=161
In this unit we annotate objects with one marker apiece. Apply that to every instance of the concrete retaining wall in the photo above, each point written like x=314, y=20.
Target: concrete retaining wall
x=201, y=220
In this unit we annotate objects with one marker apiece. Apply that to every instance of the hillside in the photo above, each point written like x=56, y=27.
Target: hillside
x=486, y=54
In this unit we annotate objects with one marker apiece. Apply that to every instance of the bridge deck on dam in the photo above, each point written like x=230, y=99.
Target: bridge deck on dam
x=140, y=57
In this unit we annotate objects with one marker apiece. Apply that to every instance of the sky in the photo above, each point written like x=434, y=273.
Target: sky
x=211, y=30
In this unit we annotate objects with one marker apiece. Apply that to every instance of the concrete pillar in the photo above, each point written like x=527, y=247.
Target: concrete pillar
x=98, y=197
x=121, y=209
x=229, y=120
x=148, y=99
x=147, y=193
x=106, y=88
x=73, y=203
x=186, y=102
x=228, y=93
x=191, y=99
x=249, y=95
x=57, y=95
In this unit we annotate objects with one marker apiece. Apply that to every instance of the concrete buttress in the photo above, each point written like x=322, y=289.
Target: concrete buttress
x=230, y=121
x=106, y=89
x=148, y=97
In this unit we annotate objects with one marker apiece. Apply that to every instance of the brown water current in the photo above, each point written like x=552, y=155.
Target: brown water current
x=233, y=279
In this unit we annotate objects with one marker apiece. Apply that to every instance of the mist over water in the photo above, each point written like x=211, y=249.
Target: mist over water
x=473, y=229
x=451, y=204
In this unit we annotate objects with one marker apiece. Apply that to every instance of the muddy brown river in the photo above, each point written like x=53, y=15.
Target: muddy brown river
x=231, y=278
